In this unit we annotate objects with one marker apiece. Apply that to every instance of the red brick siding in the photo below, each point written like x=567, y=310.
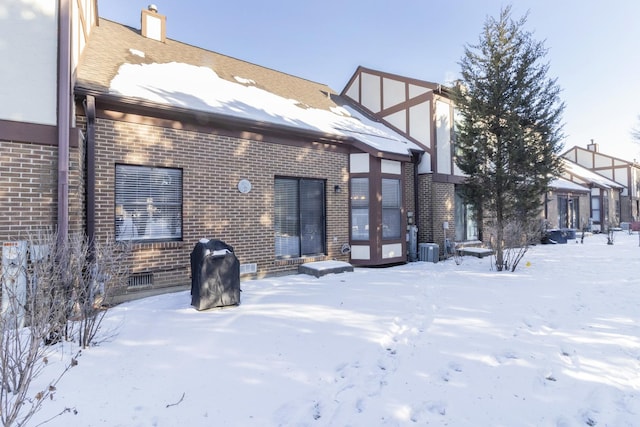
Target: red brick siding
x=29, y=191
x=443, y=210
x=409, y=199
x=425, y=227
x=212, y=205
x=437, y=205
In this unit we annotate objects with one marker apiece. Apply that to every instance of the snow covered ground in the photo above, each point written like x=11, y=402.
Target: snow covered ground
x=557, y=343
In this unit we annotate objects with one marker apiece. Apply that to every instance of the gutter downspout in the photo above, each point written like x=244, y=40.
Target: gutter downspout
x=64, y=119
x=416, y=157
x=90, y=111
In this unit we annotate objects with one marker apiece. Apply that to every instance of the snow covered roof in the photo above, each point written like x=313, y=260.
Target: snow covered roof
x=574, y=172
x=560, y=183
x=120, y=62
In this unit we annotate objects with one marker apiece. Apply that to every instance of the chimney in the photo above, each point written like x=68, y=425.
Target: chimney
x=592, y=147
x=153, y=25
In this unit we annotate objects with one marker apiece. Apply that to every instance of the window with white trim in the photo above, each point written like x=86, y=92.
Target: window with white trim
x=148, y=203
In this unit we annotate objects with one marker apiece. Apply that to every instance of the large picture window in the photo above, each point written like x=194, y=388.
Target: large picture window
x=359, y=208
x=391, y=209
x=299, y=217
x=148, y=203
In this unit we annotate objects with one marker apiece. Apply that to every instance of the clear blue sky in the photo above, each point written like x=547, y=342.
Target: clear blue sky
x=594, y=46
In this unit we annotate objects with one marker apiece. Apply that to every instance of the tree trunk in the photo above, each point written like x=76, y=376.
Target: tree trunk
x=499, y=241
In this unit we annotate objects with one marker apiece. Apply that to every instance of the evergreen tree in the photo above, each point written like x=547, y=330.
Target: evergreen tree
x=508, y=130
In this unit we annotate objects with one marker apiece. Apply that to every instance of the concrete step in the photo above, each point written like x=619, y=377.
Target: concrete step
x=321, y=268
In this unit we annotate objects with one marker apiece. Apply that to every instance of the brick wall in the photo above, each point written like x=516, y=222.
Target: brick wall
x=212, y=205
x=443, y=210
x=425, y=226
x=29, y=189
x=409, y=191
x=437, y=205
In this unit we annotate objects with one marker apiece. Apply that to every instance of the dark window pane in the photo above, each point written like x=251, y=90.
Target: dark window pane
x=148, y=203
x=312, y=219
x=391, y=213
x=299, y=217
x=360, y=208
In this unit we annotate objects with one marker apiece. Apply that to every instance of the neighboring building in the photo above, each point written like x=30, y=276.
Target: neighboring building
x=604, y=207
x=184, y=143
x=624, y=172
x=160, y=144
x=423, y=112
x=39, y=174
x=567, y=205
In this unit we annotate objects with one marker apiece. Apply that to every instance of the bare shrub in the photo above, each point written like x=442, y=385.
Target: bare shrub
x=518, y=236
x=92, y=284
x=48, y=288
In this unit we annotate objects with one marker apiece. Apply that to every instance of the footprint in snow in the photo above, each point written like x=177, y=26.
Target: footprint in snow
x=454, y=366
x=422, y=411
x=506, y=356
x=345, y=370
x=316, y=411
x=569, y=357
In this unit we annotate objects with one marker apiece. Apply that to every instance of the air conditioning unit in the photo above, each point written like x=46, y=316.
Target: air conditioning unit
x=429, y=252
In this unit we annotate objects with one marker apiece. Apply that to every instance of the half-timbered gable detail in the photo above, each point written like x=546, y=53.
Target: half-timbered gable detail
x=624, y=172
x=604, y=208
x=424, y=113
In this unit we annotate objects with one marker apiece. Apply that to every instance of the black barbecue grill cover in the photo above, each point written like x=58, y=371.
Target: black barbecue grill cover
x=215, y=275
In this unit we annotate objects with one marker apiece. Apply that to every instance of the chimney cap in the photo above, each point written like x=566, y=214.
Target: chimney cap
x=153, y=8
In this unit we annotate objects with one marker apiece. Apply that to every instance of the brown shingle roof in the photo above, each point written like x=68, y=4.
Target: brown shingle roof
x=112, y=44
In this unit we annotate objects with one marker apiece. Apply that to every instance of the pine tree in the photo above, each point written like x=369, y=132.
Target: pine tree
x=508, y=132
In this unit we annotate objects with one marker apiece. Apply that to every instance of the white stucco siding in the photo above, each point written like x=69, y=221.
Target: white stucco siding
x=370, y=92
x=457, y=118
x=360, y=252
x=354, y=90
x=29, y=43
x=585, y=158
x=420, y=123
x=88, y=12
x=391, y=167
x=393, y=92
x=602, y=161
x=443, y=137
x=608, y=173
x=359, y=163
x=392, y=250
x=399, y=120
x=425, y=164
x=417, y=90
x=622, y=176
